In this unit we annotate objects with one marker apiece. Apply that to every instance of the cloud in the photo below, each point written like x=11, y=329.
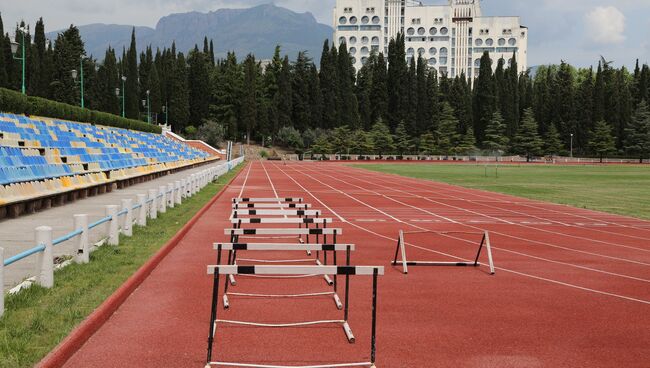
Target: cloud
x=605, y=25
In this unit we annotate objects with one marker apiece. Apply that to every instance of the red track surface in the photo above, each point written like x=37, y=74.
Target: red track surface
x=572, y=287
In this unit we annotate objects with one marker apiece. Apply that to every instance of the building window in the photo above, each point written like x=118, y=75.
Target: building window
x=370, y=10
x=433, y=31
x=512, y=42
x=375, y=20
x=421, y=31
x=410, y=31
x=353, y=20
x=444, y=31
x=364, y=40
x=365, y=19
x=343, y=20
x=347, y=10
x=410, y=51
x=478, y=42
x=502, y=41
x=421, y=51
x=352, y=51
x=353, y=60
x=433, y=51
x=364, y=51
x=443, y=51
x=443, y=60
x=433, y=61
x=353, y=40
x=416, y=21
x=375, y=40
x=489, y=42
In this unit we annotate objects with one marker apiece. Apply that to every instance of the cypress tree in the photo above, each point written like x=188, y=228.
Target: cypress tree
x=584, y=105
x=179, y=109
x=132, y=85
x=364, y=89
x=423, y=113
x=285, y=95
x=271, y=91
x=315, y=98
x=212, y=53
x=379, y=92
x=68, y=51
x=484, y=97
x=3, y=62
x=199, y=86
x=38, y=79
x=155, y=97
x=411, y=98
x=599, y=95
x=637, y=140
x=433, y=94
x=300, y=92
x=349, y=106
x=249, y=96
x=329, y=86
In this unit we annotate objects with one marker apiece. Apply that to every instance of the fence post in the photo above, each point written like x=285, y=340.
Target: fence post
x=45, y=261
x=83, y=249
x=163, y=198
x=113, y=225
x=127, y=228
x=183, y=188
x=171, y=199
x=2, y=281
x=142, y=213
x=153, y=207
x=179, y=197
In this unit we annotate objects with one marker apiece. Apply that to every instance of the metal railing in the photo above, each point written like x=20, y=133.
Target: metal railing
x=157, y=200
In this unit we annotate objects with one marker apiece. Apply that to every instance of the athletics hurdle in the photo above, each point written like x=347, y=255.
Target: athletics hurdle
x=283, y=247
x=218, y=270
x=302, y=206
x=401, y=249
x=238, y=200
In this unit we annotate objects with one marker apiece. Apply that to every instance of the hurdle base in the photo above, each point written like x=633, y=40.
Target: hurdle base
x=233, y=282
x=226, y=303
x=348, y=332
x=337, y=301
x=328, y=280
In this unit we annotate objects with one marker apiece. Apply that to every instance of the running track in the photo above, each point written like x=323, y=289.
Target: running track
x=572, y=287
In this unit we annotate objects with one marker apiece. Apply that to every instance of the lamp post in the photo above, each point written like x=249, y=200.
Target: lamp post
x=166, y=111
x=117, y=94
x=148, y=105
x=572, y=145
x=81, y=82
x=14, y=50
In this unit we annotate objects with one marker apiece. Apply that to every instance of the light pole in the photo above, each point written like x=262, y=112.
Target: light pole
x=166, y=111
x=572, y=145
x=148, y=105
x=117, y=94
x=81, y=82
x=14, y=50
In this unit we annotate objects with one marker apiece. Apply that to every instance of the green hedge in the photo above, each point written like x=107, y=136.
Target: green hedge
x=17, y=103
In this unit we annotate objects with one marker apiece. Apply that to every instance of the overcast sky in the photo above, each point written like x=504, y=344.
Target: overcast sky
x=577, y=31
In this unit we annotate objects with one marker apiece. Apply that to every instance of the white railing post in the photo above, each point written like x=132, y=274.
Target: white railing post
x=2, y=281
x=142, y=213
x=163, y=198
x=113, y=233
x=45, y=261
x=127, y=228
x=83, y=249
x=171, y=199
x=153, y=206
x=183, y=188
x=179, y=194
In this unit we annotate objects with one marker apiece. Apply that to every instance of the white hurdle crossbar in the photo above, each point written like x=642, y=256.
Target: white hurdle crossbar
x=281, y=220
x=347, y=248
x=279, y=199
x=290, y=231
x=401, y=249
x=302, y=206
x=347, y=271
x=266, y=212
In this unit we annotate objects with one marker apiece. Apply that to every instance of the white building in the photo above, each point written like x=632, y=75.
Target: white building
x=452, y=37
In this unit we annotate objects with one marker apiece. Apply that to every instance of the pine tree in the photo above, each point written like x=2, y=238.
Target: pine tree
x=427, y=144
x=249, y=100
x=447, y=134
x=637, y=140
x=552, y=141
x=402, y=140
x=527, y=141
x=601, y=141
x=342, y=140
x=467, y=143
x=68, y=51
x=382, y=139
x=496, y=139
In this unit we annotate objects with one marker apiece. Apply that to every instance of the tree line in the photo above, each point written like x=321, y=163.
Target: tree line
x=394, y=104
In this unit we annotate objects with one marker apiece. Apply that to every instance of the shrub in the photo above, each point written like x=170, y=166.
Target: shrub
x=211, y=133
x=264, y=154
x=17, y=103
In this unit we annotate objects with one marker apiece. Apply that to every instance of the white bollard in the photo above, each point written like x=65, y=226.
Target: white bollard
x=171, y=200
x=2, y=281
x=113, y=233
x=45, y=261
x=153, y=206
x=184, y=188
x=83, y=248
x=127, y=227
x=179, y=194
x=142, y=213
x=162, y=192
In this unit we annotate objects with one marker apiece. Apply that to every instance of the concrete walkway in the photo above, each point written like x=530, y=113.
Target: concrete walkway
x=17, y=235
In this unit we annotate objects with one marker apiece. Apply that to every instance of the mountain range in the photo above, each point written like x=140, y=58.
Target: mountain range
x=254, y=30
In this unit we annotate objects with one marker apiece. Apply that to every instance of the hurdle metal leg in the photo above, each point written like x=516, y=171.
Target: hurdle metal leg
x=213, y=317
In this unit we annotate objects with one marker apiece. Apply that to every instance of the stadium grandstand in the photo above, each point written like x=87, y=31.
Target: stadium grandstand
x=57, y=161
